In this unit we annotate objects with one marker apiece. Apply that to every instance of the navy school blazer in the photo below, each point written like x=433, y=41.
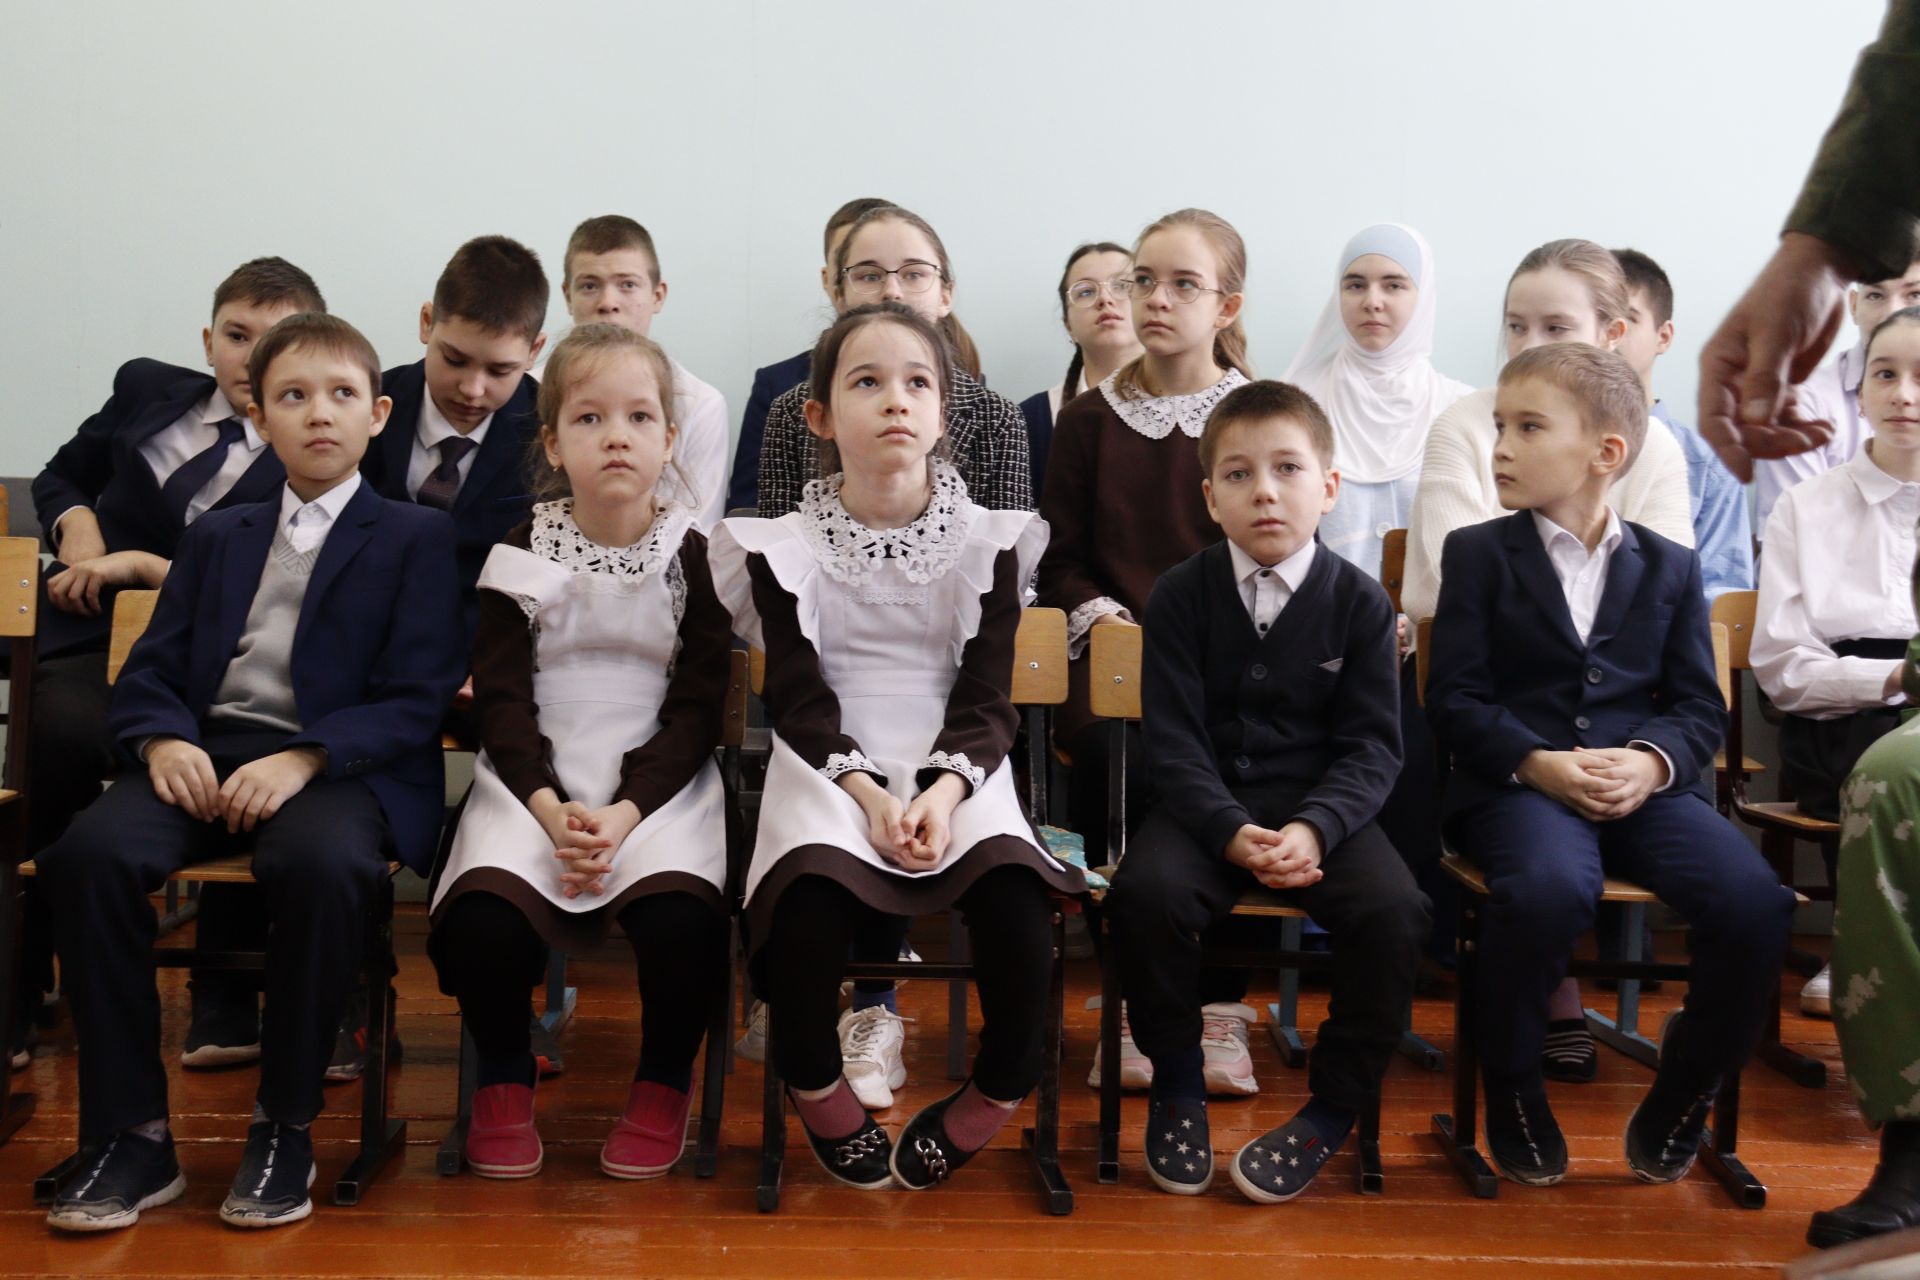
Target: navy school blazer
x=1038, y=411
x=1509, y=674
x=769, y=384
x=377, y=653
x=101, y=469
x=495, y=497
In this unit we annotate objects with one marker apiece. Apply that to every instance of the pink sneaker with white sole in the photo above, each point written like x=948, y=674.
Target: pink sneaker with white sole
x=1225, y=1033
x=501, y=1139
x=1136, y=1069
x=648, y=1139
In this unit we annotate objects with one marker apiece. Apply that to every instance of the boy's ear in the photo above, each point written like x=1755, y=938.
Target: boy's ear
x=382, y=406
x=426, y=322
x=1665, y=336
x=258, y=417
x=1612, y=454
x=533, y=352
x=1206, y=491
x=659, y=294
x=206, y=344
x=817, y=420
x=1333, y=491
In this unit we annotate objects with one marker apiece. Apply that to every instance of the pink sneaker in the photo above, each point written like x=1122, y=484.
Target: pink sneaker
x=649, y=1138
x=1136, y=1069
x=501, y=1139
x=1225, y=1032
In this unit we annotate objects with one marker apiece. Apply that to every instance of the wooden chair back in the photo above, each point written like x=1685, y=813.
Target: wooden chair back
x=1422, y=656
x=132, y=611
x=1393, y=564
x=1113, y=664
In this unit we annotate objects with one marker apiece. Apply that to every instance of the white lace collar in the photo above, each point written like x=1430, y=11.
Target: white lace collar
x=1155, y=417
x=557, y=538
x=850, y=552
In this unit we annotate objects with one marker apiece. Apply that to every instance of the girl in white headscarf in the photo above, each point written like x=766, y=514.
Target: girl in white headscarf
x=1367, y=363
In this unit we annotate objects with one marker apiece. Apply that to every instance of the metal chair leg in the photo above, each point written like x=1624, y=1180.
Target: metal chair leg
x=381, y=1137
x=1042, y=1141
x=452, y=1156
x=1458, y=1132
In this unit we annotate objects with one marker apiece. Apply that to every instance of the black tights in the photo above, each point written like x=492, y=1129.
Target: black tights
x=490, y=957
x=1009, y=921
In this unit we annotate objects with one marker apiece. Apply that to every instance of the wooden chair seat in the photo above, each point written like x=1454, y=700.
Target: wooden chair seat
x=1748, y=765
x=1475, y=880
x=235, y=870
x=8, y=797
x=1260, y=903
x=1784, y=815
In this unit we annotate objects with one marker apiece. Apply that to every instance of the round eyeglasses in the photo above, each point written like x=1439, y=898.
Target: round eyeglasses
x=1186, y=292
x=1086, y=293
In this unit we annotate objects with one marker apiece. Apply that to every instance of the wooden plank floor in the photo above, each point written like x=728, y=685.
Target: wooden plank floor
x=1808, y=1145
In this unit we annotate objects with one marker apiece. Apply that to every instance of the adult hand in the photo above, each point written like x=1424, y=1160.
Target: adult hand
x=1770, y=342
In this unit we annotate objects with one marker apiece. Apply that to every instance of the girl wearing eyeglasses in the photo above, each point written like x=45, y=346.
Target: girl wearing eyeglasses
x=1123, y=500
x=1094, y=308
x=891, y=255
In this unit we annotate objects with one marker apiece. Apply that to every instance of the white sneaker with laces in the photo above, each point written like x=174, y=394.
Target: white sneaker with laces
x=1225, y=1036
x=1136, y=1069
x=753, y=1045
x=870, y=1045
x=1816, y=998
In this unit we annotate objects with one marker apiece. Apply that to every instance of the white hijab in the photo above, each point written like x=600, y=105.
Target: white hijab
x=1383, y=402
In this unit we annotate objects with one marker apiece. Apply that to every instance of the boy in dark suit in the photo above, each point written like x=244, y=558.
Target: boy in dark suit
x=1573, y=681
x=463, y=417
x=285, y=701
x=1270, y=710
x=169, y=445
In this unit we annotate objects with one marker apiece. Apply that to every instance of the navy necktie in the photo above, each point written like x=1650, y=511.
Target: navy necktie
x=197, y=472
x=443, y=482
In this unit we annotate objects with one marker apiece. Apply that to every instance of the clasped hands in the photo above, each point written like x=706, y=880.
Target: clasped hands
x=913, y=837
x=584, y=840
x=1598, y=783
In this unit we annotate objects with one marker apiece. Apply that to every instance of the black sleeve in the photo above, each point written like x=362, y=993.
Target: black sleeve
x=503, y=702
x=981, y=718
x=691, y=715
x=802, y=705
x=1173, y=702
x=1365, y=725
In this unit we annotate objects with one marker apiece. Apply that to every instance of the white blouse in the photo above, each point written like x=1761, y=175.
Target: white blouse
x=1838, y=566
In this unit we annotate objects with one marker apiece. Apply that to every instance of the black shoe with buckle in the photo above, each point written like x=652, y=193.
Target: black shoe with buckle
x=350, y=1046
x=925, y=1155
x=126, y=1173
x=861, y=1159
x=1523, y=1139
x=1891, y=1199
x=1179, y=1145
x=225, y=1027
x=275, y=1171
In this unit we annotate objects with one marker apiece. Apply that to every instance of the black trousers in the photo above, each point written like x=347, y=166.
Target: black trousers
x=489, y=958
x=1410, y=818
x=1170, y=893
x=1010, y=926
x=1817, y=755
x=319, y=862
x=70, y=756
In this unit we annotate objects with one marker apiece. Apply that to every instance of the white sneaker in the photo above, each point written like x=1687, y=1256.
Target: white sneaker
x=870, y=1045
x=1225, y=1034
x=1816, y=998
x=1136, y=1069
x=753, y=1045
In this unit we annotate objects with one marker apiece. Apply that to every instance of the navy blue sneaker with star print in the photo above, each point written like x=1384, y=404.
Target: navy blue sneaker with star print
x=1279, y=1165
x=1179, y=1146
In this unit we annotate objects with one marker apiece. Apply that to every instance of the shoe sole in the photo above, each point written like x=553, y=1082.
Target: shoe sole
x=1655, y=1179
x=896, y=1079
x=1816, y=1008
x=126, y=1218
x=636, y=1173
x=1258, y=1194
x=353, y=1071
x=507, y=1172
x=1182, y=1188
x=1567, y=1077
x=209, y=1056
x=1220, y=1084
x=19, y=1061
x=252, y=1221
x=1524, y=1179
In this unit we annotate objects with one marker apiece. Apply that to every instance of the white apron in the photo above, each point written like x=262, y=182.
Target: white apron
x=604, y=642
x=890, y=633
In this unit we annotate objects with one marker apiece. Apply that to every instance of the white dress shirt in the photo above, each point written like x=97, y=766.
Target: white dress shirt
x=1832, y=394
x=1839, y=565
x=1583, y=580
x=308, y=523
x=432, y=428
x=188, y=436
x=1265, y=589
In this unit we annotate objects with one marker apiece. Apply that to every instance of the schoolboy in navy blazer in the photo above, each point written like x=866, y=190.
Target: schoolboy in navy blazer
x=494, y=496
x=101, y=470
x=374, y=660
x=285, y=702
x=1572, y=680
